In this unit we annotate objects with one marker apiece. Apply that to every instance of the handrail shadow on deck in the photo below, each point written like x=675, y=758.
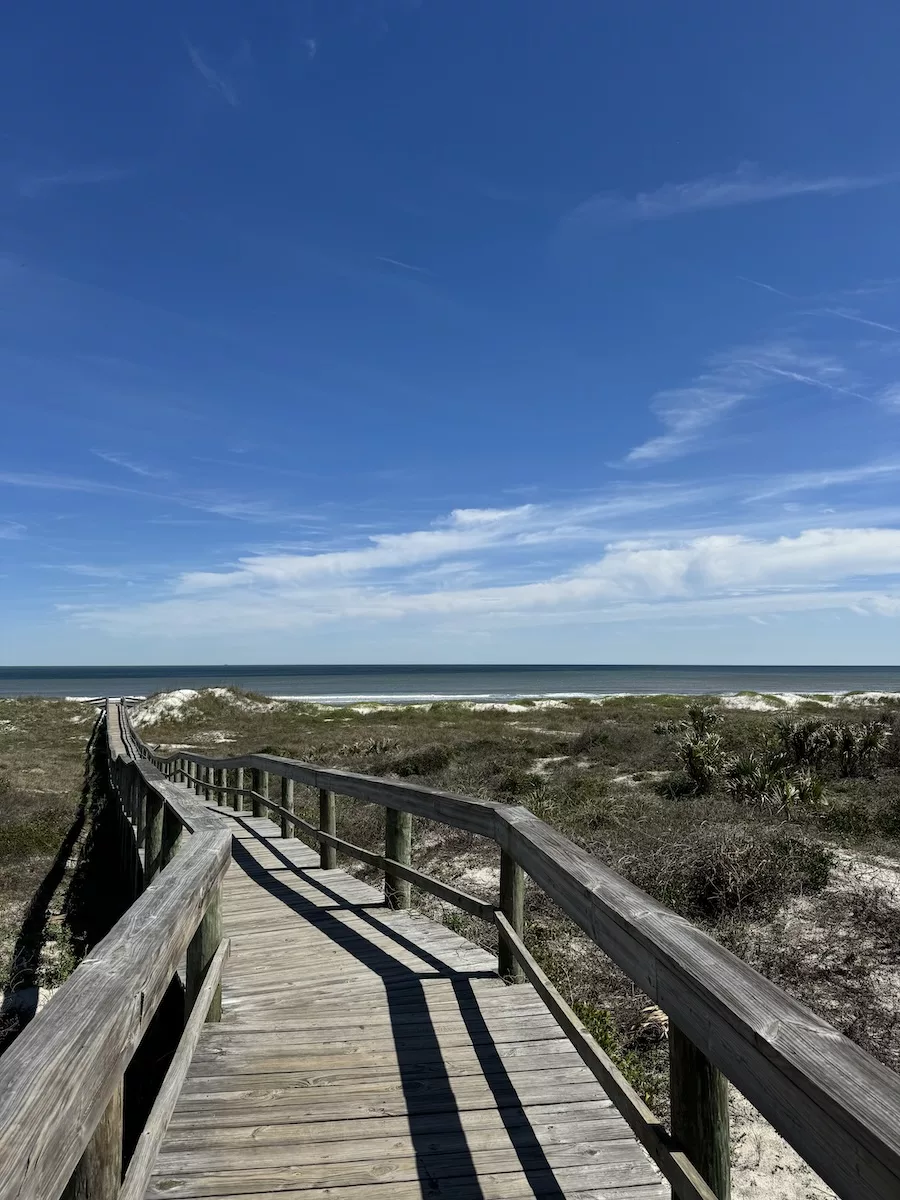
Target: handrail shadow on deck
x=408, y=1006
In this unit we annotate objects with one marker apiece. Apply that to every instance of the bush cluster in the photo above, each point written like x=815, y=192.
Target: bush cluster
x=784, y=772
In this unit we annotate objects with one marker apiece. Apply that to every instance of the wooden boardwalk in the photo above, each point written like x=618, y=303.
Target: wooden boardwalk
x=365, y=1052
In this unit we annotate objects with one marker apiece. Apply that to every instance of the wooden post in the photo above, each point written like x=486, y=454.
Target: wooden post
x=699, y=1099
x=397, y=845
x=512, y=905
x=201, y=949
x=138, y=805
x=260, y=785
x=171, y=832
x=287, y=801
x=153, y=844
x=327, y=824
x=98, y=1175
x=219, y=780
x=239, y=805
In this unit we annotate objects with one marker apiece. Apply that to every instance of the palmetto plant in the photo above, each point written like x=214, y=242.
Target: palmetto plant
x=772, y=782
x=698, y=747
x=857, y=747
x=806, y=742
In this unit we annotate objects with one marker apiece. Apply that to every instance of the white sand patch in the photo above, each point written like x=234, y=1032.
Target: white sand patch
x=780, y=701
x=770, y=702
x=494, y=706
x=174, y=706
x=865, y=698
x=543, y=766
x=205, y=737
x=367, y=709
x=763, y=1165
x=867, y=870
x=749, y=703
x=166, y=705
x=243, y=703
x=481, y=878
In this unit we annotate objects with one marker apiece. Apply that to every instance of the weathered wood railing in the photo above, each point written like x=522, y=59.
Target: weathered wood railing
x=837, y=1106
x=62, y=1080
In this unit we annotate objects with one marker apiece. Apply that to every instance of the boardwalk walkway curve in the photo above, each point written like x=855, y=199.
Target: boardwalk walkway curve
x=338, y=1044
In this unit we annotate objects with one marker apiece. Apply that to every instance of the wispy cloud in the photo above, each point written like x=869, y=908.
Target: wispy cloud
x=464, y=530
x=767, y=287
x=212, y=78
x=53, y=483
x=800, y=365
x=635, y=578
x=890, y=397
x=396, y=262
x=818, y=481
x=731, y=378
x=11, y=530
x=746, y=185
x=846, y=314
x=312, y=46
x=128, y=464
x=34, y=185
x=221, y=504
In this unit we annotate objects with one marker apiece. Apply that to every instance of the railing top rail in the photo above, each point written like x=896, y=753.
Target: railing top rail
x=59, y=1075
x=125, y=745
x=834, y=1103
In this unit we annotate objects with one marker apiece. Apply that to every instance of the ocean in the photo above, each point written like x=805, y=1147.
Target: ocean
x=408, y=684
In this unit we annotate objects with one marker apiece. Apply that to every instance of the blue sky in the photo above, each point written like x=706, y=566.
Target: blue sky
x=375, y=330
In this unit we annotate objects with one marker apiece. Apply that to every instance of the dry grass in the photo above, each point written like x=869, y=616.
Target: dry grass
x=42, y=749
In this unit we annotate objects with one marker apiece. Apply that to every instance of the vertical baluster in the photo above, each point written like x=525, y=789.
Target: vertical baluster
x=154, y=836
x=201, y=949
x=699, y=1099
x=171, y=833
x=397, y=846
x=287, y=802
x=512, y=904
x=327, y=824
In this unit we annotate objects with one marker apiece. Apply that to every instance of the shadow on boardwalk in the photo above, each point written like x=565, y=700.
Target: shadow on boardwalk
x=426, y=1084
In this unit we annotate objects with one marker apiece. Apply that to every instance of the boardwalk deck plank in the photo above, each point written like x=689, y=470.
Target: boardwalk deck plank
x=366, y=1049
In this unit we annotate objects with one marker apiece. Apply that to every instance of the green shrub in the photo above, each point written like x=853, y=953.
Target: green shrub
x=591, y=739
x=424, y=760
x=723, y=871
